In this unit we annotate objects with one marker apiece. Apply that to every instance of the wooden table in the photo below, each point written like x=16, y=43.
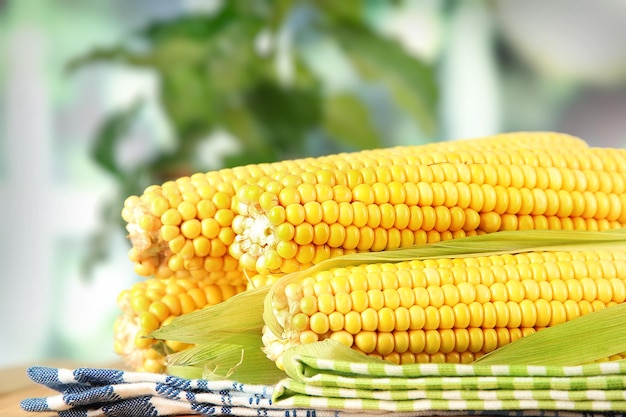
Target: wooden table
x=10, y=401
x=14, y=387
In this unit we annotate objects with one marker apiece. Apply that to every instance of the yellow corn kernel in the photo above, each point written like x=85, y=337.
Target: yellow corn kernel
x=434, y=195
x=261, y=280
x=164, y=220
x=153, y=303
x=444, y=309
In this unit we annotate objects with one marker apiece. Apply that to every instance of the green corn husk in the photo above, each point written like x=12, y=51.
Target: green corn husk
x=218, y=330
x=585, y=339
x=218, y=361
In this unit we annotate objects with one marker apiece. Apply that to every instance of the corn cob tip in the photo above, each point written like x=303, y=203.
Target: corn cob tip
x=148, y=305
x=128, y=334
x=256, y=237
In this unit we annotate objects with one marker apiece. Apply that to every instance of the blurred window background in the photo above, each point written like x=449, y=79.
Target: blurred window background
x=99, y=99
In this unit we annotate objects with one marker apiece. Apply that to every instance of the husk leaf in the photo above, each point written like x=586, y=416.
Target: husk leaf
x=244, y=362
x=236, y=317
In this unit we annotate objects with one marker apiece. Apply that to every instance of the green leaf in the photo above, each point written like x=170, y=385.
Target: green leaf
x=347, y=119
x=278, y=12
x=232, y=59
x=165, y=43
x=240, y=122
x=585, y=339
x=194, y=26
x=285, y=114
x=251, y=156
x=187, y=97
x=411, y=83
x=173, y=54
x=342, y=11
x=117, y=53
x=113, y=130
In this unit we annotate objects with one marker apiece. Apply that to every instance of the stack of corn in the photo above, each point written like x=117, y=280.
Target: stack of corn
x=202, y=239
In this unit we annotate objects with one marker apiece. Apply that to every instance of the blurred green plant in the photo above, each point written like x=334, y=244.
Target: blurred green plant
x=212, y=75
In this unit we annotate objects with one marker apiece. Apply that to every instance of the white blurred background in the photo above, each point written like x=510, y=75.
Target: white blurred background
x=499, y=66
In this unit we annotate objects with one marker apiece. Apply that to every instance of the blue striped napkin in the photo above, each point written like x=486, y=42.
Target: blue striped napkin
x=95, y=392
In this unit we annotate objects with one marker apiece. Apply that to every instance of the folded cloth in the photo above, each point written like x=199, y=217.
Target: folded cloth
x=96, y=392
x=354, y=381
x=111, y=392
x=327, y=388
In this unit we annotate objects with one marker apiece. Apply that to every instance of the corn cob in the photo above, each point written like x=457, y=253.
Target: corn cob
x=186, y=228
x=381, y=202
x=153, y=303
x=445, y=309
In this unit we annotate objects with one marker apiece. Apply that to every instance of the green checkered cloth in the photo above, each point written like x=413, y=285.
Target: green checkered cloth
x=351, y=381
